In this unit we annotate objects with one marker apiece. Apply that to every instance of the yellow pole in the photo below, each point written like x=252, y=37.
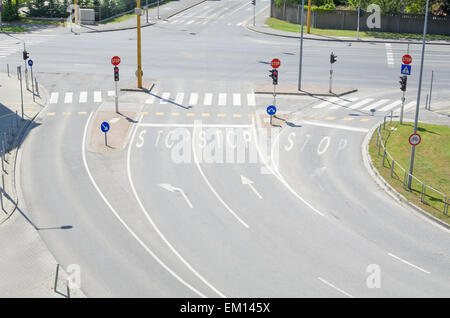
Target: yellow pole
x=139, y=63
x=309, y=17
x=76, y=15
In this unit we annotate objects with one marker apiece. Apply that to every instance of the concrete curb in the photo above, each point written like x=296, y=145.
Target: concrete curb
x=376, y=176
x=254, y=29
x=143, y=26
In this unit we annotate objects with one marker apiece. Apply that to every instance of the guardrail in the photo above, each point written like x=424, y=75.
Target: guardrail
x=425, y=190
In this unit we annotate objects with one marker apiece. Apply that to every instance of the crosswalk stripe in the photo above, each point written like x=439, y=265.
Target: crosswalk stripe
x=111, y=93
x=390, y=106
x=165, y=98
x=375, y=105
x=222, y=99
x=193, y=99
x=97, y=96
x=410, y=105
x=344, y=103
x=151, y=99
x=187, y=23
x=251, y=100
x=68, y=98
x=361, y=103
x=207, y=100
x=179, y=98
x=326, y=103
x=83, y=97
x=237, y=99
x=54, y=98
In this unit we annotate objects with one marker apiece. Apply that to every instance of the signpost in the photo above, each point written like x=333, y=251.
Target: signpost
x=275, y=63
x=116, y=61
x=415, y=139
x=105, y=128
x=406, y=59
x=406, y=69
x=271, y=110
x=30, y=63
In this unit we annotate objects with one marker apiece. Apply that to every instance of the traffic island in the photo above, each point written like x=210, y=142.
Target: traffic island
x=147, y=86
x=311, y=90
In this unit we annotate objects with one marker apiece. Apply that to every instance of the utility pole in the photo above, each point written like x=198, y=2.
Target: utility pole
x=431, y=90
x=76, y=11
x=301, y=49
x=413, y=148
x=308, y=20
x=254, y=11
x=357, y=30
x=139, y=60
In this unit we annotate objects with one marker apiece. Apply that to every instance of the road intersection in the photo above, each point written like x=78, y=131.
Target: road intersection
x=206, y=199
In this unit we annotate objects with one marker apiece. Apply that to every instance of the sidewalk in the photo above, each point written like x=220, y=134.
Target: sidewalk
x=261, y=27
x=27, y=268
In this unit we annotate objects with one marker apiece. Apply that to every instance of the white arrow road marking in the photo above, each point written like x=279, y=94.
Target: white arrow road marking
x=249, y=182
x=171, y=188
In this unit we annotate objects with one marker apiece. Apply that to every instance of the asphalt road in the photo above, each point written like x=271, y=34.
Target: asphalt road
x=197, y=204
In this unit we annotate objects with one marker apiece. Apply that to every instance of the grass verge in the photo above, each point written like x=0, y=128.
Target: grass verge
x=431, y=164
x=291, y=27
x=14, y=29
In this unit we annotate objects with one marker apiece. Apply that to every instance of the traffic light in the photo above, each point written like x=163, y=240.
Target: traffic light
x=274, y=76
x=25, y=55
x=402, y=82
x=360, y=12
x=333, y=58
x=254, y=2
x=116, y=73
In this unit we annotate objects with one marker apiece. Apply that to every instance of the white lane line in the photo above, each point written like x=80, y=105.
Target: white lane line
x=344, y=103
x=165, y=98
x=222, y=99
x=275, y=172
x=236, y=99
x=179, y=99
x=83, y=97
x=251, y=100
x=97, y=97
x=207, y=100
x=326, y=103
x=150, y=220
x=389, y=55
x=408, y=263
x=376, y=104
x=316, y=123
x=333, y=286
x=361, y=103
x=390, y=106
x=193, y=99
x=198, y=125
x=68, y=98
x=192, y=125
x=54, y=98
x=146, y=248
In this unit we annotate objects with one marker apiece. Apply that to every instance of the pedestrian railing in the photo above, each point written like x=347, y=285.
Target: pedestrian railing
x=428, y=194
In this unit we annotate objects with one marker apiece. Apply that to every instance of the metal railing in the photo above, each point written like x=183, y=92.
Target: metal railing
x=428, y=194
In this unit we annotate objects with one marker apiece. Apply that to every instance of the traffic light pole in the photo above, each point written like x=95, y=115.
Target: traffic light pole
x=301, y=49
x=401, y=109
x=139, y=60
x=357, y=30
x=331, y=77
x=254, y=11
x=413, y=148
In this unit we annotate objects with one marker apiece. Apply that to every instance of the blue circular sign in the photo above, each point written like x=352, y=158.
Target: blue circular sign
x=271, y=110
x=104, y=126
x=30, y=62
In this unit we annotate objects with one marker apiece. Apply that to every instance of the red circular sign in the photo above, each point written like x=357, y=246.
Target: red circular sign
x=115, y=60
x=275, y=63
x=406, y=59
x=414, y=139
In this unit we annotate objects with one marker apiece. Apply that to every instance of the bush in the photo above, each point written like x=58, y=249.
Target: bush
x=10, y=12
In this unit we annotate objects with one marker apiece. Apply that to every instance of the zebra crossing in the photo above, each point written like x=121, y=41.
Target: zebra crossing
x=10, y=45
x=366, y=104
x=81, y=97
x=197, y=21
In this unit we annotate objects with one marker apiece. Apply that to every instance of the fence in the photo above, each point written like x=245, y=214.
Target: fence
x=348, y=20
x=428, y=194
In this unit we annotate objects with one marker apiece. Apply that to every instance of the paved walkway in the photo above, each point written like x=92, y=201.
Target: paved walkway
x=27, y=269
x=261, y=27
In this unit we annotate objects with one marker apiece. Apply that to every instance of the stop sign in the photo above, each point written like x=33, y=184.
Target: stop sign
x=406, y=59
x=275, y=63
x=115, y=60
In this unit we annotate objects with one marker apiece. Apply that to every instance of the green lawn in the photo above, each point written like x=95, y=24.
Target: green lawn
x=431, y=164
x=14, y=29
x=39, y=22
x=120, y=18
x=291, y=27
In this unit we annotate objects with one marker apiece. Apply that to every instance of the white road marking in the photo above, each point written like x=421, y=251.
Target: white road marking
x=179, y=98
x=194, y=151
x=165, y=98
x=68, y=98
x=222, y=99
x=192, y=125
x=54, y=98
x=333, y=286
x=151, y=99
x=171, y=188
x=83, y=97
x=187, y=23
x=193, y=100
x=97, y=97
x=344, y=103
x=376, y=104
x=111, y=93
x=390, y=106
x=236, y=99
x=408, y=263
x=361, y=103
x=389, y=55
x=135, y=236
x=410, y=105
x=251, y=100
x=249, y=182
x=207, y=100
x=316, y=123
x=150, y=220
x=326, y=103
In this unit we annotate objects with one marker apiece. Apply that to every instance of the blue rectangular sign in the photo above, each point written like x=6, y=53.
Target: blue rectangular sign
x=406, y=69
